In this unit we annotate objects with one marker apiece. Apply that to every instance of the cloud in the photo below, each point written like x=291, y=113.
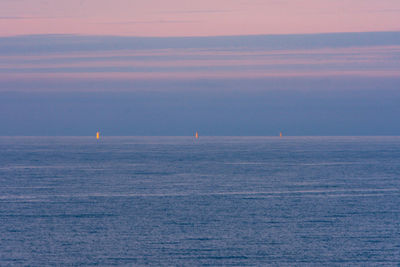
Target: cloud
x=198, y=11
x=59, y=43
x=150, y=22
x=392, y=10
x=32, y=18
x=44, y=59
x=16, y=17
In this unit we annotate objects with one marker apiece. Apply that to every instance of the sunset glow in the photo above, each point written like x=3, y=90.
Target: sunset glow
x=196, y=18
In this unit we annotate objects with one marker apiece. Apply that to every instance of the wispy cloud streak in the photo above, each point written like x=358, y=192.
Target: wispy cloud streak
x=227, y=58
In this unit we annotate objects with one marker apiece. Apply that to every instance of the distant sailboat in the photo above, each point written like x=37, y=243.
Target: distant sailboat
x=98, y=135
x=197, y=135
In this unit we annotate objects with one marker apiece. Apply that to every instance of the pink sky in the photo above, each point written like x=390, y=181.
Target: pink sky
x=196, y=18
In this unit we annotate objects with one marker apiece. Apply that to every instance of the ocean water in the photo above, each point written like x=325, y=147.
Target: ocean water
x=176, y=201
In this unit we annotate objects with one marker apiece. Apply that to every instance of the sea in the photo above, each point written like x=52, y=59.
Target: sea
x=212, y=201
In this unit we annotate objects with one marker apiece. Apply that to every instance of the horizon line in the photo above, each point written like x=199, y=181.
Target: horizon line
x=200, y=136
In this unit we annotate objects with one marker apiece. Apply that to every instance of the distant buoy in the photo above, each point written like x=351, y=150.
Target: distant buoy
x=280, y=134
x=98, y=135
x=197, y=135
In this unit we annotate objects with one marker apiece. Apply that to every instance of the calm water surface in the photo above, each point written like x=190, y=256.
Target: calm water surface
x=167, y=201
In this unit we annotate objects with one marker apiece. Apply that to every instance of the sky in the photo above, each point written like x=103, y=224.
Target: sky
x=196, y=18
x=315, y=67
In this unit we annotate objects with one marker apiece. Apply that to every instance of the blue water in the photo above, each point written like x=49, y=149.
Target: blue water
x=295, y=201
